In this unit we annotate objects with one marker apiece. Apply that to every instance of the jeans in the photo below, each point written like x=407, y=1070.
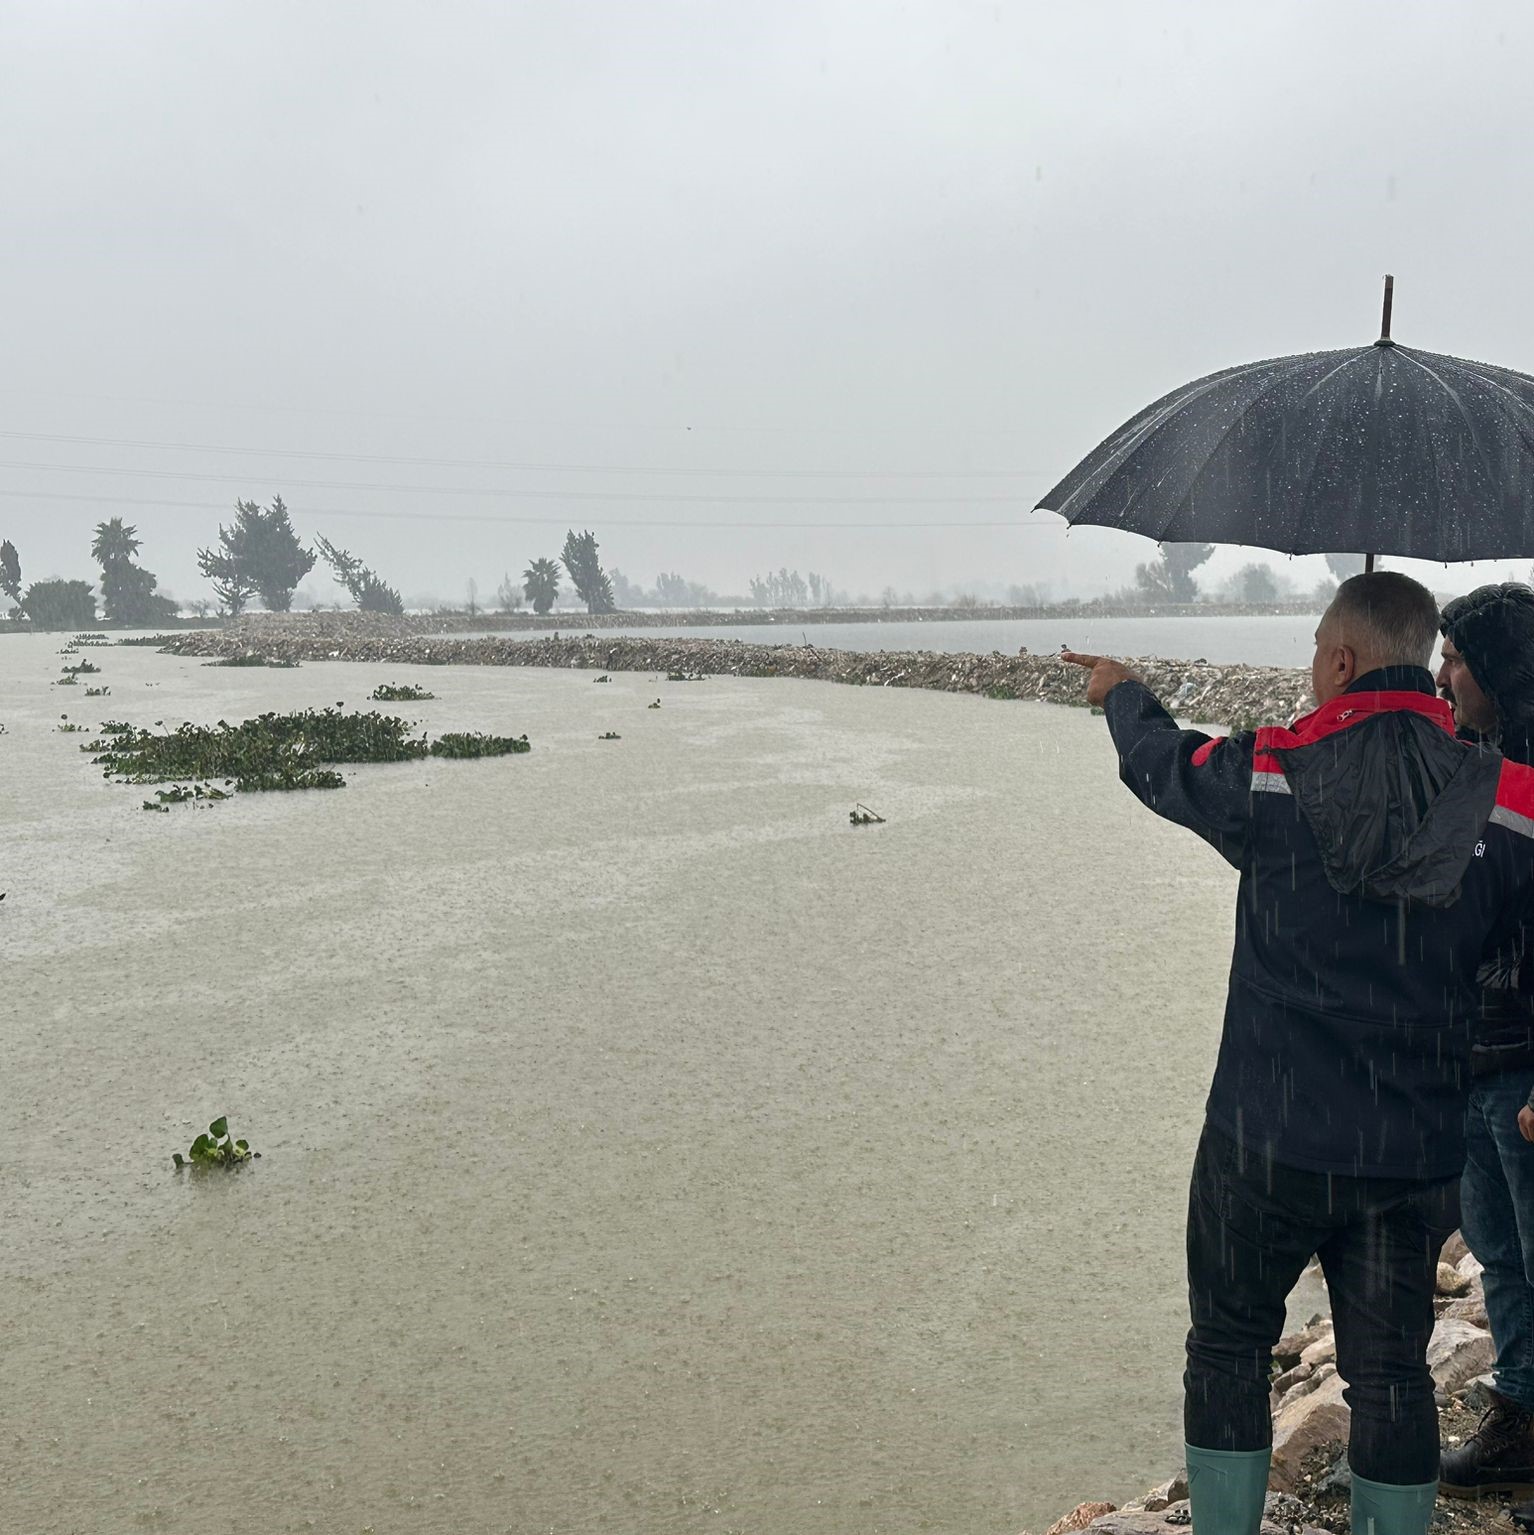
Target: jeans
x=1498, y=1198
x=1252, y=1227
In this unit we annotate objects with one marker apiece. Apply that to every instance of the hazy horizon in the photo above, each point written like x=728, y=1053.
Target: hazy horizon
x=824, y=287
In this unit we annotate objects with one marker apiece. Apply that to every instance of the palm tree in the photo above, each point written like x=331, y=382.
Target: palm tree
x=114, y=544
x=127, y=590
x=541, y=583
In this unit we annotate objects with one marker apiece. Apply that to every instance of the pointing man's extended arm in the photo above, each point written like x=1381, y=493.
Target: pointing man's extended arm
x=1198, y=781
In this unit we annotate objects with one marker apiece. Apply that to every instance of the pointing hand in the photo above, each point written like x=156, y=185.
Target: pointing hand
x=1106, y=675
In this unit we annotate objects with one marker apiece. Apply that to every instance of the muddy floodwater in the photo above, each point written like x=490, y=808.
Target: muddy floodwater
x=645, y=1148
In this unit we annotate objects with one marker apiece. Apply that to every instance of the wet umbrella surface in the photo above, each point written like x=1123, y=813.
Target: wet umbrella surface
x=1379, y=449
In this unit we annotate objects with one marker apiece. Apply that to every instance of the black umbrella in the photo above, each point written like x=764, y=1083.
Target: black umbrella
x=1372, y=450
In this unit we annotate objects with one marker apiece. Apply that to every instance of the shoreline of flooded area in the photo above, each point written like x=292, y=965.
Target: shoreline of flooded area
x=643, y=1145
x=1235, y=696
x=1227, y=637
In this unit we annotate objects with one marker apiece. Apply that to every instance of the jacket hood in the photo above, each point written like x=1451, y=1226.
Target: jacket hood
x=1493, y=629
x=1396, y=804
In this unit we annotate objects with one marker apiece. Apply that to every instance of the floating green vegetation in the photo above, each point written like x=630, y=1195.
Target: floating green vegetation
x=655, y=705
x=89, y=638
x=81, y=669
x=67, y=727
x=215, y=1148
x=100, y=692
x=279, y=751
x=181, y=794
x=1003, y=690
x=67, y=682
x=254, y=658
x=609, y=735
x=146, y=639
x=685, y=677
x=603, y=678
x=399, y=693
x=457, y=743
x=862, y=816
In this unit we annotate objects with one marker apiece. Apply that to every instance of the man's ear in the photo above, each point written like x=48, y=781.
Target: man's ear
x=1346, y=663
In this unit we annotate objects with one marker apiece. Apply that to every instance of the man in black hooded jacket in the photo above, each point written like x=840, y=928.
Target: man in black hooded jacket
x=1488, y=678
x=1379, y=858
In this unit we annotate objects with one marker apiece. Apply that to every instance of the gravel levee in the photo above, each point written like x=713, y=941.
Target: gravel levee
x=1233, y=696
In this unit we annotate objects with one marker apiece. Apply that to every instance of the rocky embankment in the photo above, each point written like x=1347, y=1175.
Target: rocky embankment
x=1309, y=1484
x=1232, y=696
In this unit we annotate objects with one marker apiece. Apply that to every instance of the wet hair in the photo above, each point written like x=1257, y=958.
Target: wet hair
x=1389, y=618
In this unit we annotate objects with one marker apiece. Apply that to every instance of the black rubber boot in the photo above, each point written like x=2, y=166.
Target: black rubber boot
x=1498, y=1457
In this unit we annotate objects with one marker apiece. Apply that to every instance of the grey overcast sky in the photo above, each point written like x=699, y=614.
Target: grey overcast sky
x=716, y=280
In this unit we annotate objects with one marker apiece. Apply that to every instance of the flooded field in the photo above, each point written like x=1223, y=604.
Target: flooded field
x=644, y=1147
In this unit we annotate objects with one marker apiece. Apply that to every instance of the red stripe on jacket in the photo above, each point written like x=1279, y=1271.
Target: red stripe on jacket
x=1515, y=789
x=1343, y=712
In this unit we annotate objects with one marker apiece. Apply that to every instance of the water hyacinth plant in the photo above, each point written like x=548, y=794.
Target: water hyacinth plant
x=215, y=1148
x=279, y=751
x=254, y=658
x=398, y=693
x=179, y=794
x=472, y=743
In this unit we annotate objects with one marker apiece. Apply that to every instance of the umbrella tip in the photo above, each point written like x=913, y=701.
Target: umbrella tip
x=1390, y=284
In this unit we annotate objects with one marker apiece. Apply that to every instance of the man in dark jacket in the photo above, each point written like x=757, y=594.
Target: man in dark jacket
x=1488, y=678
x=1379, y=857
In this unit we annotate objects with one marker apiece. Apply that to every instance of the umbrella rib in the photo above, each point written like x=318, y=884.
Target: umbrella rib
x=1459, y=405
x=1170, y=406
x=1169, y=412
x=1278, y=378
x=1347, y=362
x=1518, y=410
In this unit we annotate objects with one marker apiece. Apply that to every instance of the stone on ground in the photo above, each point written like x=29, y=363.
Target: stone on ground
x=1313, y=1421
x=1458, y=1352
x=1079, y=1518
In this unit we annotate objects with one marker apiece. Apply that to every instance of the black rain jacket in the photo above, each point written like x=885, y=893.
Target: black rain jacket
x=1493, y=629
x=1380, y=859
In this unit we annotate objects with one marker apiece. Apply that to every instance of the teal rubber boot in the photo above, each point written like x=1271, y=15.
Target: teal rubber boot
x=1388, y=1508
x=1226, y=1489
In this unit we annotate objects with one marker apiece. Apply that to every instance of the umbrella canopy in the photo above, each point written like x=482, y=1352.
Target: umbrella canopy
x=1380, y=449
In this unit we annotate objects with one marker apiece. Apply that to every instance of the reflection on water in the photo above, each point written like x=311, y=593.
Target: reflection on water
x=645, y=1147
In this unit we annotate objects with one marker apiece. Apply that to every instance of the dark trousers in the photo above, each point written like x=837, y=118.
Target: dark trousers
x=1498, y=1196
x=1252, y=1227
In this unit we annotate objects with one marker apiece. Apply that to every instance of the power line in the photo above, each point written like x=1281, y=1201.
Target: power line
x=533, y=468
x=522, y=493
x=544, y=423
x=450, y=516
